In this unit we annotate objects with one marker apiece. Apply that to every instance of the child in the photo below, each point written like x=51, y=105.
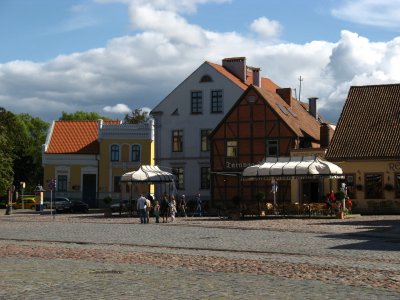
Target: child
x=156, y=211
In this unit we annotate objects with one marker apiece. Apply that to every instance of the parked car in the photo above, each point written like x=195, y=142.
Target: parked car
x=79, y=206
x=120, y=206
x=62, y=204
x=28, y=203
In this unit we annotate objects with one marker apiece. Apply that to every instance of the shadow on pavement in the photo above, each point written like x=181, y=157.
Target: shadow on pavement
x=377, y=235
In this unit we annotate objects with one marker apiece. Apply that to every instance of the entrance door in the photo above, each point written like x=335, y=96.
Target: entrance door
x=310, y=191
x=89, y=190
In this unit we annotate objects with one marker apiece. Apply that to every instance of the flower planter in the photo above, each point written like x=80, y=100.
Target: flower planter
x=340, y=215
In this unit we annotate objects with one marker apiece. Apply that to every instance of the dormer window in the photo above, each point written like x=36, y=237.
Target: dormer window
x=206, y=78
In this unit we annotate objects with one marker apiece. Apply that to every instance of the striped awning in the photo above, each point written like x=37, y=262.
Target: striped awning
x=148, y=174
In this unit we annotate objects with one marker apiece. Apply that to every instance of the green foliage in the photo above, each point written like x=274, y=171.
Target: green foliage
x=340, y=195
x=81, y=116
x=138, y=116
x=22, y=139
x=6, y=163
x=260, y=197
x=107, y=200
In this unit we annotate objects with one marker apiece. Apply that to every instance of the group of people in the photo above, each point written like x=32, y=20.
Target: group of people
x=330, y=200
x=166, y=208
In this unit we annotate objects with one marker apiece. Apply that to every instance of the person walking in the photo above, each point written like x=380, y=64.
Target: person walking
x=198, y=205
x=141, y=207
x=164, y=208
x=172, y=206
x=156, y=211
x=148, y=208
x=182, y=206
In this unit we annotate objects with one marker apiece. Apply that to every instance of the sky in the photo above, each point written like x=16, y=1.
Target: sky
x=113, y=56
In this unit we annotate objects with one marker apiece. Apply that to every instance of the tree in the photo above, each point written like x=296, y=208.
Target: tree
x=23, y=136
x=138, y=116
x=28, y=164
x=81, y=116
x=6, y=162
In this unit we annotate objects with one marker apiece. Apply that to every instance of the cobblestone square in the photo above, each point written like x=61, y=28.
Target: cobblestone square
x=72, y=256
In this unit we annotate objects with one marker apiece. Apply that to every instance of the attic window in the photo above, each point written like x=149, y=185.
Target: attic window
x=206, y=78
x=292, y=112
x=283, y=109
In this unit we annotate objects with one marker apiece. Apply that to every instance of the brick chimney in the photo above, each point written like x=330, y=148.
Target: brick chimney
x=312, y=106
x=326, y=134
x=236, y=66
x=286, y=95
x=256, y=76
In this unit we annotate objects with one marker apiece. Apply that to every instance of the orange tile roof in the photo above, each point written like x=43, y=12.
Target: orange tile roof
x=266, y=83
x=369, y=125
x=229, y=75
x=296, y=116
x=75, y=137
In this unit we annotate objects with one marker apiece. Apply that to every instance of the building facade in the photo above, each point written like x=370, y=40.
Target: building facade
x=185, y=118
x=262, y=124
x=366, y=144
x=87, y=158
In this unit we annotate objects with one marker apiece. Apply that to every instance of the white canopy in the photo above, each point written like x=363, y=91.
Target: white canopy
x=291, y=168
x=149, y=174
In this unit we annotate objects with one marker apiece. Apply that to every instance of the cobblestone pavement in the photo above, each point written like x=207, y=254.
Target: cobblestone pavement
x=92, y=257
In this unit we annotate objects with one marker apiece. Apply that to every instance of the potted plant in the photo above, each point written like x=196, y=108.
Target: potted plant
x=340, y=196
x=260, y=197
x=107, y=201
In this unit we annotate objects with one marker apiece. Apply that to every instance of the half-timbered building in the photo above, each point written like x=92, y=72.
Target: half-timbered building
x=264, y=123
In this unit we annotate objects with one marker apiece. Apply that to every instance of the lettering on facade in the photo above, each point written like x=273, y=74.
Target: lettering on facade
x=240, y=165
x=394, y=166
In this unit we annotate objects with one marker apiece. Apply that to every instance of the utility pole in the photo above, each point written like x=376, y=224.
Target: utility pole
x=300, y=79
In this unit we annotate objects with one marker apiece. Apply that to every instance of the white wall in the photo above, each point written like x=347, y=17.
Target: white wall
x=191, y=158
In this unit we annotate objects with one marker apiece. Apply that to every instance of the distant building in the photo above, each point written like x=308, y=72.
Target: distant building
x=87, y=158
x=366, y=144
x=185, y=118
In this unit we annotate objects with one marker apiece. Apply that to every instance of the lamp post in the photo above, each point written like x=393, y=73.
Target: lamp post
x=22, y=184
x=10, y=196
x=130, y=198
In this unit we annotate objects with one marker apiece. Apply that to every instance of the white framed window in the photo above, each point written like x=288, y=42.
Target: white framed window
x=135, y=153
x=272, y=148
x=231, y=149
x=114, y=153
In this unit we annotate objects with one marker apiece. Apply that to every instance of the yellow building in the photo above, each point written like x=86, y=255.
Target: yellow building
x=87, y=158
x=366, y=145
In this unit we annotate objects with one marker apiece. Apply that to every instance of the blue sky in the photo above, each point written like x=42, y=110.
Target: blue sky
x=111, y=56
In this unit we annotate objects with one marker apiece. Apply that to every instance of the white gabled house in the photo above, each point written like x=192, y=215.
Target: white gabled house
x=184, y=119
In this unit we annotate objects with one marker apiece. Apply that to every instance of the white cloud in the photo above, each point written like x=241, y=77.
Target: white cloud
x=381, y=13
x=144, y=67
x=117, y=109
x=182, y=6
x=169, y=23
x=266, y=28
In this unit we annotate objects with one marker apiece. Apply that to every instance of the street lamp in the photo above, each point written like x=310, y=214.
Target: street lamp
x=22, y=184
x=10, y=197
x=130, y=197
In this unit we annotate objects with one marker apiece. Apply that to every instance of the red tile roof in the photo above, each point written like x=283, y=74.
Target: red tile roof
x=229, y=75
x=296, y=117
x=369, y=125
x=75, y=137
x=266, y=83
